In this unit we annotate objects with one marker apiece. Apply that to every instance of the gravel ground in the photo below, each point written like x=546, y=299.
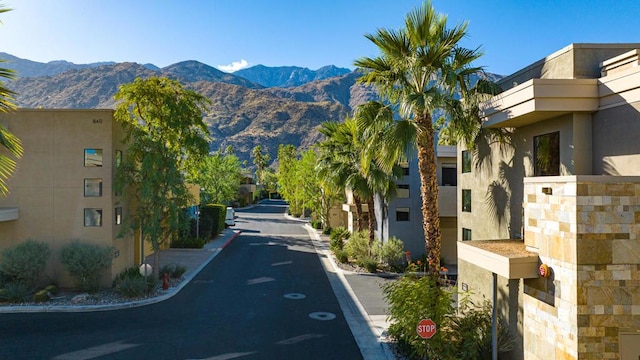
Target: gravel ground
x=65, y=297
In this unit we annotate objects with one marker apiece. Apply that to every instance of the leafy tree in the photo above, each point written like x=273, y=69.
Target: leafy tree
x=348, y=155
x=7, y=140
x=219, y=177
x=420, y=68
x=287, y=157
x=261, y=161
x=166, y=136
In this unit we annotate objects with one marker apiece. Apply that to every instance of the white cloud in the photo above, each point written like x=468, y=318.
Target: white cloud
x=234, y=66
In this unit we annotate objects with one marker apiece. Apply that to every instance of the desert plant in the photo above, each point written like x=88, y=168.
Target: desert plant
x=326, y=230
x=341, y=255
x=86, y=263
x=132, y=286
x=412, y=298
x=392, y=252
x=369, y=263
x=52, y=289
x=174, y=270
x=41, y=296
x=24, y=263
x=15, y=292
x=358, y=245
x=337, y=237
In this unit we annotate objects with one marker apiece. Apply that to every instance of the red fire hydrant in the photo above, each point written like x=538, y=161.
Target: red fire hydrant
x=165, y=281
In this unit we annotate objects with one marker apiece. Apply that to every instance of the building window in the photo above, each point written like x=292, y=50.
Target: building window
x=118, y=216
x=546, y=152
x=405, y=169
x=92, y=187
x=466, y=234
x=402, y=214
x=118, y=158
x=466, y=161
x=92, y=157
x=402, y=191
x=466, y=200
x=92, y=217
x=449, y=175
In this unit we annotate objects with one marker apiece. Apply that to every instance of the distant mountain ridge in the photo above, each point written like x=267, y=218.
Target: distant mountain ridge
x=260, y=108
x=288, y=76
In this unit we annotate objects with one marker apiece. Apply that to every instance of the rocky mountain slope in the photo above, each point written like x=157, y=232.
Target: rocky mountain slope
x=243, y=114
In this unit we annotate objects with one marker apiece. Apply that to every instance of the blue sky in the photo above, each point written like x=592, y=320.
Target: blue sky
x=306, y=33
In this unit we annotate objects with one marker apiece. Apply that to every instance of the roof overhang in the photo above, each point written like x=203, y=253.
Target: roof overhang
x=9, y=213
x=540, y=99
x=507, y=258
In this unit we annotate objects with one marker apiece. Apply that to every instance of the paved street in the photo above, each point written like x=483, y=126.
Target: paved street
x=266, y=296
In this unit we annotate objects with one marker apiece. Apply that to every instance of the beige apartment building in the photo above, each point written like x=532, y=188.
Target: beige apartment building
x=62, y=190
x=549, y=225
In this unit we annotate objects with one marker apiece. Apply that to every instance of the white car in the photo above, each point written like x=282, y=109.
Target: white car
x=230, y=219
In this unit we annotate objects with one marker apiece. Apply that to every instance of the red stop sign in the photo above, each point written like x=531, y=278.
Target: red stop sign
x=426, y=328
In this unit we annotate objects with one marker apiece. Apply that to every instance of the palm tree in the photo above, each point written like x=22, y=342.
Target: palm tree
x=420, y=67
x=7, y=139
x=347, y=158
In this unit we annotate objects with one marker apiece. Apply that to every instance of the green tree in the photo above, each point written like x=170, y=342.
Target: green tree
x=287, y=157
x=261, y=161
x=421, y=67
x=7, y=140
x=348, y=161
x=166, y=137
x=219, y=177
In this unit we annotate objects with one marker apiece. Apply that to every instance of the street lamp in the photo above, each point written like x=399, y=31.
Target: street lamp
x=197, y=221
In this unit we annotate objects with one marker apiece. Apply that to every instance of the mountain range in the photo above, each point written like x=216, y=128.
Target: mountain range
x=259, y=105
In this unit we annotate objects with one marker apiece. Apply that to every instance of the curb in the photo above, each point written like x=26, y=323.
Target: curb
x=371, y=345
x=17, y=309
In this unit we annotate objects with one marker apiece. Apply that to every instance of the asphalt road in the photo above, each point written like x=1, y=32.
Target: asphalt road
x=266, y=296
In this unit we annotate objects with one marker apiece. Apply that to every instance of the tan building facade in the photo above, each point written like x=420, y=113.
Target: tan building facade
x=561, y=200
x=62, y=190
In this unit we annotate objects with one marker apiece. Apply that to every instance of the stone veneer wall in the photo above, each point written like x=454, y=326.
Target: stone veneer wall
x=586, y=230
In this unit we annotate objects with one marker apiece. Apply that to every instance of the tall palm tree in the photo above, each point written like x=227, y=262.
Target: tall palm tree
x=347, y=157
x=7, y=139
x=420, y=67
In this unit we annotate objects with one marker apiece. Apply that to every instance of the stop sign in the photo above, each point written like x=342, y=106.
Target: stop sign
x=426, y=328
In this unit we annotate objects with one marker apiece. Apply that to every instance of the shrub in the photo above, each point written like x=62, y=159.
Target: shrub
x=132, y=286
x=358, y=245
x=341, y=255
x=215, y=215
x=327, y=230
x=188, y=243
x=52, y=289
x=316, y=224
x=86, y=263
x=337, y=237
x=392, y=252
x=411, y=299
x=24, y=263
x=15, y=292
x=41, y=296
x=174, y=270
x=369, y=263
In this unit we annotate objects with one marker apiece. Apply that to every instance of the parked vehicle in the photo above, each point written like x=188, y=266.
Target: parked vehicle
x=230, y=219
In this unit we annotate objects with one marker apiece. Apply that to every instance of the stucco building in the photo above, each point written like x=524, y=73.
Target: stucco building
x=561, y=200
x=402, y=216
x=63, y=190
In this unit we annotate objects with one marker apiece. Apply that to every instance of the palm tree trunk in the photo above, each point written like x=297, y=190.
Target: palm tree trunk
x=429, y=192
x=372, y=221
x=358, y=203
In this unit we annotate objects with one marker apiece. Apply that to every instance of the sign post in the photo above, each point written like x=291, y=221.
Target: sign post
x=426, y=329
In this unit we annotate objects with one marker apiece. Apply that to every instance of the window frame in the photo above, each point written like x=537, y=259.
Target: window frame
x=99, y=180
x=554, y=141
x=87, y=215
x=466, y=200
x=466, y=161
x=466, y=234
x=87, y=159
x=403, y=210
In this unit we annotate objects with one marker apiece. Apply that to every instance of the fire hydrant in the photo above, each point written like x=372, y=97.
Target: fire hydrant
x=165, y=281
